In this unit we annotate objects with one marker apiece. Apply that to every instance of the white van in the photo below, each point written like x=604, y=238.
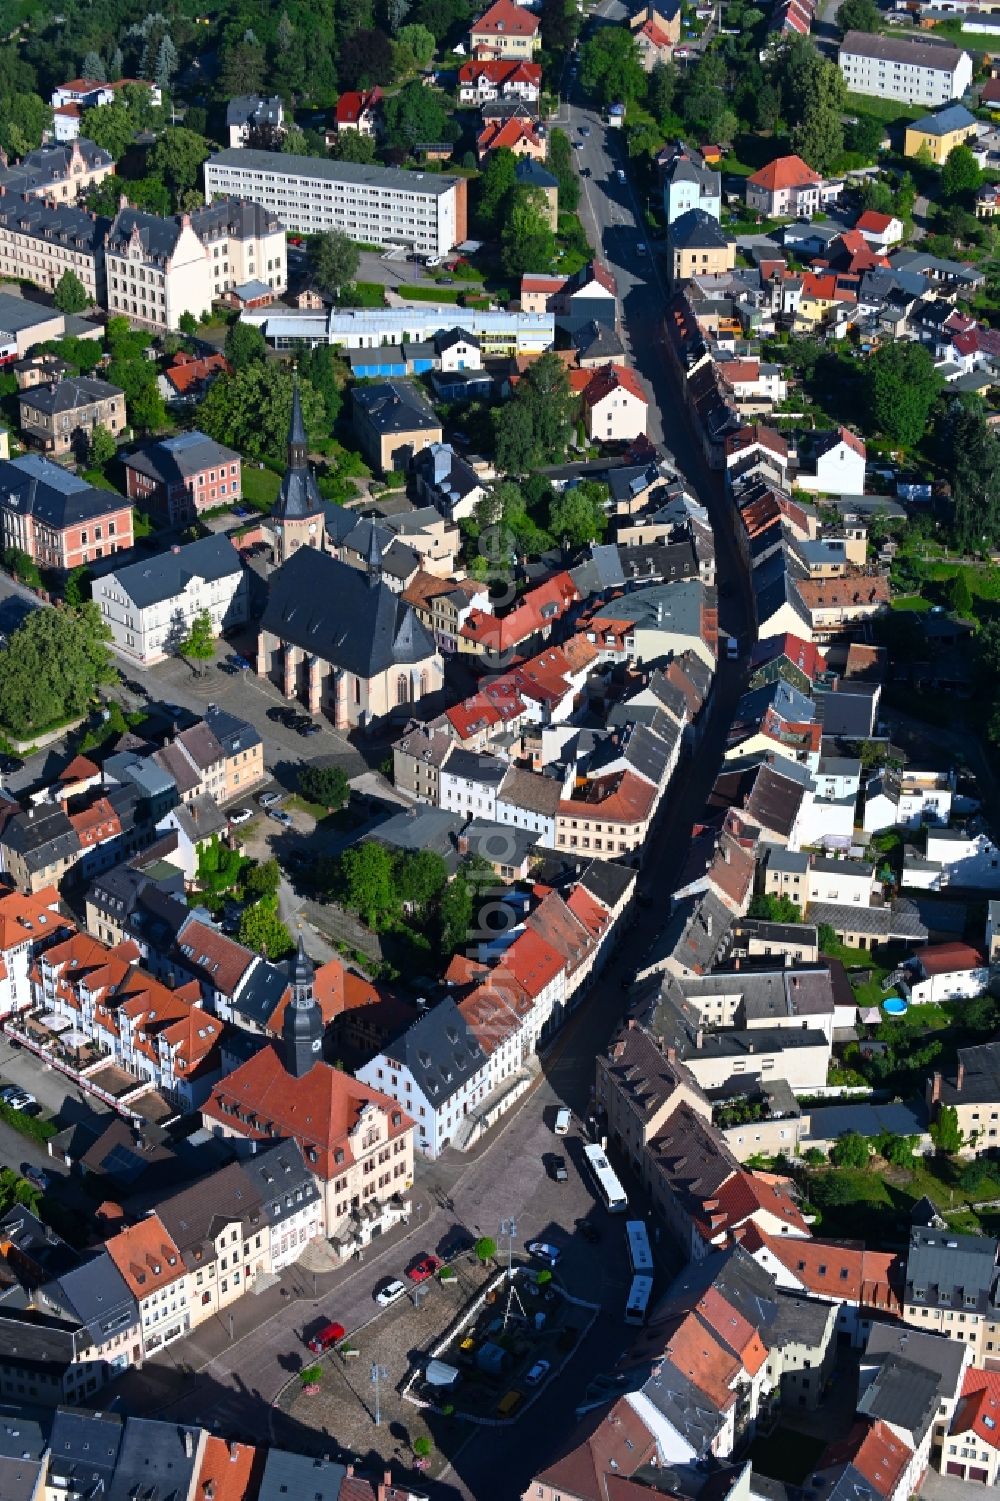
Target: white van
x=564, y=1117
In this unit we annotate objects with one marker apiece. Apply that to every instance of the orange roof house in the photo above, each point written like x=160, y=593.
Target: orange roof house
x=505, y=30
x=786, y=186
x=522, y=137
x=147, y=1257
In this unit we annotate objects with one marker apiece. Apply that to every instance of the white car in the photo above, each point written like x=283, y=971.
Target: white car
x=538, y=1372
x=641, y=247
x=240, y=815
x=542, y=1251
x=434, y=260
x=270, y=799
x=620, y=174
x=389, y=1293
x=19, y=1099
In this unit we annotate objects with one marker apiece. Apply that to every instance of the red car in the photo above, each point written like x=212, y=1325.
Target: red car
x=326, y=1338
x=422, y=1269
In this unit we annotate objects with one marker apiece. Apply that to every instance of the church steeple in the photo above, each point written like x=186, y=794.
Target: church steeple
x=298, y=446
x=302, y=1027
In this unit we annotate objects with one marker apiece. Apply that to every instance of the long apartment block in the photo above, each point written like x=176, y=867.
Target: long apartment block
x=375, y=205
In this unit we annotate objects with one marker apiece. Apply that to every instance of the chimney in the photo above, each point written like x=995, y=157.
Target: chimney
x=175, y=549
x=189, y=1443
x=234, y=1448
x=699, y=1039
x=960, y=1075
x=671, y=1055
x=936, y=1089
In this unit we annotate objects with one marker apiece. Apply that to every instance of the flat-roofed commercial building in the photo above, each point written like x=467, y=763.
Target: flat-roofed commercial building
x=375, y=205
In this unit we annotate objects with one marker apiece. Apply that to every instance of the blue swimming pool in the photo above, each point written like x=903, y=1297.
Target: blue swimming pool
x=895, y=1006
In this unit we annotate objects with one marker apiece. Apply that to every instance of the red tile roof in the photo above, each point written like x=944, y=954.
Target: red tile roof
x=979, y=1406
x=146, y=1256
x=507, y=135
x=785, y=172
x=186, y=371
x=501, y=70
x=352, y=105
x=943, y=958
x=876, y=1452
x=623, y=798
x=229, y=1471
x=504, y=18
x=320, y=1110
x=611, y=378
x=875, y=223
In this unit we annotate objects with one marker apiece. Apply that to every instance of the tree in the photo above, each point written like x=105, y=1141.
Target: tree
x=819, y=136
x=945, y=1132
x=177, y=157
x=496, y=188
x=829, y=943
x=326, y=785
x=262, y=930
x=199, y=644
x=969, y=452
x=560, y=25
x=110, y=126
x=560, y=164
x=961, y=174
x=352, y=146
x=93, y=67
x=420, y=879
x=536, y=426
x=455, y=910
x=442, y=16
x=960, y=595
x=416, y=114
x=865, y=137
x=772, y=908
x=422, y=1446
x=242, y=69
x=578, y=514
x=396, y=12
x=327, y=375
x=24, y=120
x=103, y=446
x=850, y=1150
x=859, y=15
x=366, y=59
x=262, y=880
x=70, y=295
x=486, y=1248
x=250, y=410
x=51, y=667
x=898, y=1151
x=419, y=41
x=333, y=260
x=611, y=66
x=245, y=345
x=527, y=242
x=76, y=590
x=661, y=91
x=166, y=63
x=367, y=883
x=902, y=387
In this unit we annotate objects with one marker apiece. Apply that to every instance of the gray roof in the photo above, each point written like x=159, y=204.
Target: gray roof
x=948, y=1270
x=50, y=164
x=97, y=1294
x=900, y=49
x=84, y=1449
x=248, y=109
x=477, y=766
x=831, y=867
x=697, y=230
x=233, y=734
x=16, y=314
x=440, y=1051
x=22, y=1436
x=35, y=486
x=394, y=406
x=827, y=1122
x=298, y=1477
x=156, y=580
x=58, y=224
x=20, y=1478
x=154, y=1453
x=900, y=920
x=945, y=1357
x=195, y=1217
x=607, y=881
x=792, y=862
x=299, y=495
x=172, y=460
x=421, y=828
x=331, y=609
x=903, y=1394
x=281, y=1180
x=41, y=835
x=288, y=164
x=260, y=995
x=679, y=606
x=534, y=175
x=68, y=395
x=944, y=121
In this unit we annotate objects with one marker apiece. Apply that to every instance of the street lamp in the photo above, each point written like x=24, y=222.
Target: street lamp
x=378, y=1373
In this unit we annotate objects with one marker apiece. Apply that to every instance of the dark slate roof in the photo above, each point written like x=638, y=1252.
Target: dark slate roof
x=696, y=230
x=153, y=1453
x=41, y=835
x=97, y=1294
x=903, y=1394
x=84, y=1449
x=20, y=1479
x=299, y=495
x=251, y=107
x=232, y=733
x=946, y=1270
x=533, y=175
x=476, y=766
x=596, y=341
x=172, y=460
x=329, y=608
x=68, y=395
x=394, y=406
x=607, y=882
x=156, y=580
x=288, y=1477
x=440, y=1051
x=195, y=1217
x=34, y=486
x=37, y=1243
x=261, y=995
x=58, y=224
x=50, y=164
x=281, y=1180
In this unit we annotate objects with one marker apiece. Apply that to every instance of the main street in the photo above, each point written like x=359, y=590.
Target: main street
x=236, y=1373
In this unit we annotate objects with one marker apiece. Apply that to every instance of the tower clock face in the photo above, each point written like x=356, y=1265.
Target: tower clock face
x=316, y=1044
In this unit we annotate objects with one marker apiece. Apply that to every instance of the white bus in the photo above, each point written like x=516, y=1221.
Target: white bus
x=606, y=1179
x=639, y=1255
x=639, y=1295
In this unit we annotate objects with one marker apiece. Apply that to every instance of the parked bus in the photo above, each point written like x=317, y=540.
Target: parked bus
x=638, y=1300
x=639, y=1255
x=608, y=1186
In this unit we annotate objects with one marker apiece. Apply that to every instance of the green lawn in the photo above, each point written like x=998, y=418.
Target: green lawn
x=260, y=487
x=882, y=109
x=914, y=602
x=363, y=294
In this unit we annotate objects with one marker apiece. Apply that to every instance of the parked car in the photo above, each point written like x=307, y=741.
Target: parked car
x=241, y=663
x=620, y=174
x=538, y=1372
x=456, y=1244
x=8, y=765
x=589, y=1231
x=309, y=727
x=18, y=1099
x=557, y=1168
x=542, y=1251
x=564, y=1119
x=434, y=260
x=423, y=1268
x=640, y=247
x=280, y=816
x=326, y=1338
x=270, y=799
x=36, y=1176
x=277, y=714
x=242, y=511
x=240, y=815
x=389, y=1292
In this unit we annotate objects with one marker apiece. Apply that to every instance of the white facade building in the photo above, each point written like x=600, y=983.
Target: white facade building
x=149, y=607
x=469, y=782
x=897, y=67
x=377, y=205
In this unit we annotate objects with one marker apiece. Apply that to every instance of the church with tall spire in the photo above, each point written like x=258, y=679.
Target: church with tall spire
x=297, y=519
